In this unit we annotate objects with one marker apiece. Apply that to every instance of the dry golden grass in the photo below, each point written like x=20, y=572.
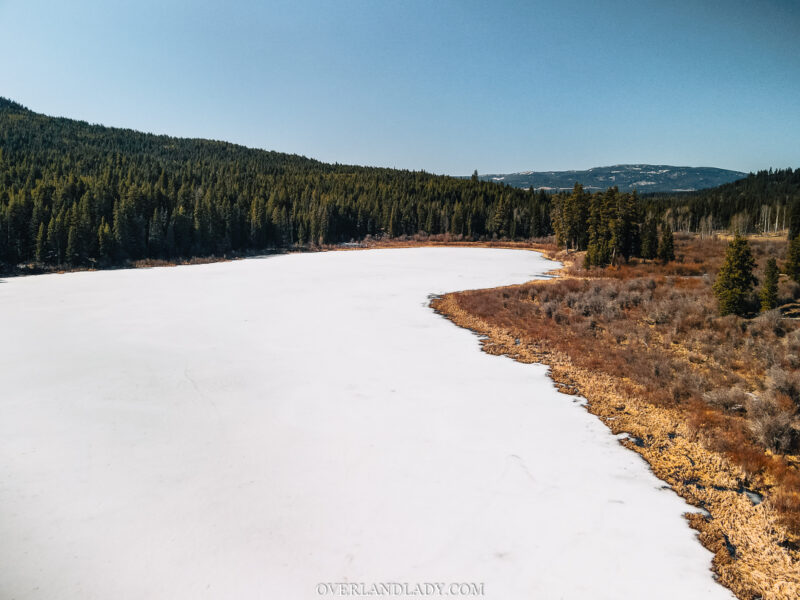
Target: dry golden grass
x=643, y=344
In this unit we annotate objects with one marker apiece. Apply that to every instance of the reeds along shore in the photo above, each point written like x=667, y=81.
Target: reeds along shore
x=710, y=402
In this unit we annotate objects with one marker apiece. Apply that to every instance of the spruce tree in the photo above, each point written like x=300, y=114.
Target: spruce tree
x=72, y=254
x=794, y=219
x=41, y=240
x=666, y=245
x=735, y=279
x=105, y=241
x=792, y=266
x=769, y=288
x=598, y=248
x=650, y=238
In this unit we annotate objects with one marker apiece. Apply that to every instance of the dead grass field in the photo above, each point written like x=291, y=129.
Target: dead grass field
x=710, y=402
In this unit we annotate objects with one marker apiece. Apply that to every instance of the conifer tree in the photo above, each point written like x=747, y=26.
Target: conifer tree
x=769, y=287
x=569, y=215
x=598, y=248
x=792, y=266
x=735, y=279
x=41, y=240
x=650, y=238
x=794, y=219
x=666, y=245
x=624, y=226
x=392, y=228
x=72, y=254
x=105, y=241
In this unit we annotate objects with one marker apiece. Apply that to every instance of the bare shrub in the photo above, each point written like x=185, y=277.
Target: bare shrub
x=784, y=382
x=788, y=289
x=772, y=427
x=687, y=384
x=620, y=332
x=764, y=351
x=630, y=299
x=660, y=313
x=729, y=399
x=793, y=342
x=661, y=366
x=768, y=323
x=550, y=308
x=572, y=299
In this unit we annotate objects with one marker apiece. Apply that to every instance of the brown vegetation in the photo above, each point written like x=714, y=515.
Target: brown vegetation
x=710, y=402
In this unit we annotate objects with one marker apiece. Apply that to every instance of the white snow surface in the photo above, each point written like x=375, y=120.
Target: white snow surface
x=251, y=429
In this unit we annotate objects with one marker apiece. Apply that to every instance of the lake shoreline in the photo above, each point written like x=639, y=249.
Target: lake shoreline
x=747, y=559
x=246, y=429
x=373, y=244
x=737, y=528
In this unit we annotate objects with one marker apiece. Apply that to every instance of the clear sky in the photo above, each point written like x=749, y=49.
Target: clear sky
x=437, y=85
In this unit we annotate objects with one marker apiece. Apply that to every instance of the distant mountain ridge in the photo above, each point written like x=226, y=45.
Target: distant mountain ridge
x=643, y=178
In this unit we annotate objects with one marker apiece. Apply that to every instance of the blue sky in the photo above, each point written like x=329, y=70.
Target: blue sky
x=443, y=86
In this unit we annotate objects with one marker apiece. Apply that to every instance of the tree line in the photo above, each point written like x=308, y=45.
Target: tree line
x=75, y=194
x=764, y=202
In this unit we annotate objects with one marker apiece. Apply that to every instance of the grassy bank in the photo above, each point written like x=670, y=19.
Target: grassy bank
x=710, y=402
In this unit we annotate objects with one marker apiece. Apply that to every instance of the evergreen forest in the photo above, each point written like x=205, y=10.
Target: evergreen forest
x=74, y=194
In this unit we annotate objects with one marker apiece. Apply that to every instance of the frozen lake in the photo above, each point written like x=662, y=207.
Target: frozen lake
x=257, y=428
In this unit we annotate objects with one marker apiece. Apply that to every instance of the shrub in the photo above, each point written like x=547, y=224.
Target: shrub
x=788, y=290
x=686, y=384
x=730, y=399
x=767, y=323
x=784, y=382
x=773, y=429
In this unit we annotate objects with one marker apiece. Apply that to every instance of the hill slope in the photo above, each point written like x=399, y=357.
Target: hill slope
x=74, y=194
x=644, y=178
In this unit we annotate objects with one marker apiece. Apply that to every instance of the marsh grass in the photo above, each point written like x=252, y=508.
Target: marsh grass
x=650, y=332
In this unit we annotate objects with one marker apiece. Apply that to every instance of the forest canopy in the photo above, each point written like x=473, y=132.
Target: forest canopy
x=74, y=194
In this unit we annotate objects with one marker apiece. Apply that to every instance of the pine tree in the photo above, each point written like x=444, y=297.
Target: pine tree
x=41, y=240
x=624, y=227
x=769, y=288
x=598, y=248
x=72, y=254
x=666, y=245
x=794, y=219
x=650, y=238
x=792, y=266
x=392, y=228
x=156, y=233
x=105, y=241
x=735, y=279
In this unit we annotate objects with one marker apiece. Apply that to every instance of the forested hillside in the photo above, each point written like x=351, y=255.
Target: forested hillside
x=78, y=194
x=75, y=194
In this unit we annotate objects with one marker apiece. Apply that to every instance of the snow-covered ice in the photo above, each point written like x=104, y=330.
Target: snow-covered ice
x=255, y=428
